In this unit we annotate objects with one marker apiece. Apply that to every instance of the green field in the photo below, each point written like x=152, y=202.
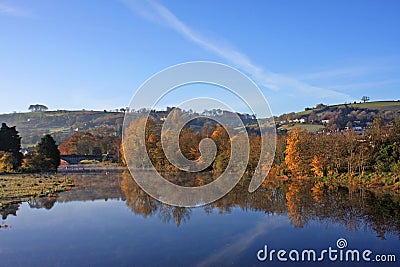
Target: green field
x=309, y=127
x=375, y=105
x=379, y=105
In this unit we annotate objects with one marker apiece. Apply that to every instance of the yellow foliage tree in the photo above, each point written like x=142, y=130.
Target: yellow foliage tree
x=297, y=153
x=6, y=161
x=316, y=167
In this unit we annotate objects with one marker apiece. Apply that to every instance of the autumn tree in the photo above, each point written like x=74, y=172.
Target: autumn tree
x=222, y=141
x=317, y=167
x=135, y=148
x=189, y=143
x=6, y=161
x=92, y=143
x=207, y=129
x=298, y=156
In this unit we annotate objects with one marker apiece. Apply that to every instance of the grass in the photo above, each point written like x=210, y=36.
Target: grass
x=379, y=105
x=308, y=127
x=16, y=188
x=379, y=182
x=374, y=105
x=89, y=161
x=305, y=112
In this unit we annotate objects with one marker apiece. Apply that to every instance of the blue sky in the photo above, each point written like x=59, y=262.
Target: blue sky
x=94, y=54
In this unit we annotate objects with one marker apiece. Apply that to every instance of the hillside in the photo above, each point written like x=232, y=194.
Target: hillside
x=340, y=116
x=60, y=124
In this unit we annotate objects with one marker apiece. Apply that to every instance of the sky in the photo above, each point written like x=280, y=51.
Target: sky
x=94, y=54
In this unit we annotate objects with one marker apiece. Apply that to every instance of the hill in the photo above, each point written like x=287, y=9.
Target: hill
x=60, y=124
x=340, y=116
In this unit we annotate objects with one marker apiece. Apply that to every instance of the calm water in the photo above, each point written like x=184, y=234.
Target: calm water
x=108, y=221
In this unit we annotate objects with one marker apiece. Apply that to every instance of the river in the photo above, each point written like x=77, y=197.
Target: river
x=107, y=220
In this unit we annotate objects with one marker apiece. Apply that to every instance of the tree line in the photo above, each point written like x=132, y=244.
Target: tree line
x=298, y=153
x=99, y=142
x=340, y=155
x=189, y=140
x=44, y=157
x=319, y=155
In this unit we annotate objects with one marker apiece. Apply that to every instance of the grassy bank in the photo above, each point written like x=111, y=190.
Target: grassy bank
x=388, y=182
x=21, y=187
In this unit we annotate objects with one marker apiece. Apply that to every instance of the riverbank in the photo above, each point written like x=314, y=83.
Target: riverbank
x=16, y=188
x=379, y=182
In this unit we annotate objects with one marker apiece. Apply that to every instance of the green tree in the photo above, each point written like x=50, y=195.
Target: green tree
x=37, y=107
x=49, y=153
x=388, y=157
x=10, y=141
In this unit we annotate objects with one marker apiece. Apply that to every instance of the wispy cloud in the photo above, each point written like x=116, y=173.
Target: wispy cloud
x=10, y=10
x=244, y=240
x=158, y=13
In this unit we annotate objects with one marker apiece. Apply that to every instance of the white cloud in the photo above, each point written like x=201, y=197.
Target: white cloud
x=13, y=11
x=158, y=13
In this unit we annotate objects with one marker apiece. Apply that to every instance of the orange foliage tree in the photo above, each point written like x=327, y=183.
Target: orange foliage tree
x=297, y=152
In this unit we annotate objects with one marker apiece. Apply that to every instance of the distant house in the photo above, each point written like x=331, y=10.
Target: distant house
x=357, y=129
x=325, y=121
x=24, y=151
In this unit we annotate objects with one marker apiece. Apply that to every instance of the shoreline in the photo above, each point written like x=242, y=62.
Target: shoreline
x=20, y=187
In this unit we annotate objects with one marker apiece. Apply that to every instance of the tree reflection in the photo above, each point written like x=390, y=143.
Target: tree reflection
x=10, y=209
x=301, y=200
x=141, y=203
x=299, y=203
x=42, y=202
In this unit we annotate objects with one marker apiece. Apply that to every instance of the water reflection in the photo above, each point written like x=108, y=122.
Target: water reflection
x=300, y=200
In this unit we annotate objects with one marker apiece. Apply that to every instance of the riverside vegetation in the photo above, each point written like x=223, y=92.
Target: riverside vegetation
x=15, y=184
x=23, y=187
x=340, y=157
x=370, y=159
